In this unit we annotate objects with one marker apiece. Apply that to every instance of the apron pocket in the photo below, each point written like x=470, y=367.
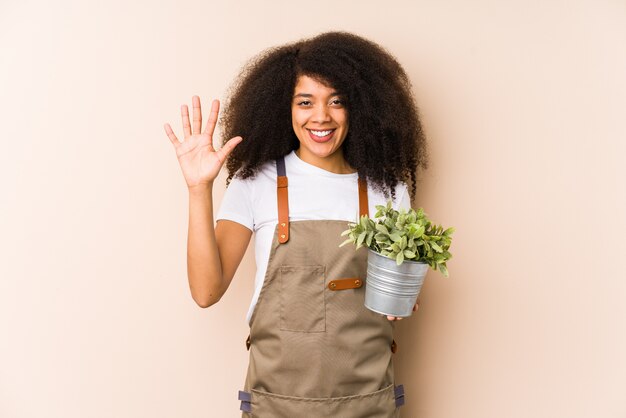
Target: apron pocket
x=302, y=304
x=379, y=404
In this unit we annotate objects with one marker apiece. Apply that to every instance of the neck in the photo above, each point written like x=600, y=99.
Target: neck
x=335, y=163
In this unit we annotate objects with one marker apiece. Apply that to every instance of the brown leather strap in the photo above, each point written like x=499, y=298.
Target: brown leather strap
x=342, y=284
x=283, y=209
x=363, y=203
x=283, y=200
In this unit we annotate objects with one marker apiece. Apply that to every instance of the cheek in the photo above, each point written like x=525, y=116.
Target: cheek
x=342, y=119
x=296, y=119
x=344, y=125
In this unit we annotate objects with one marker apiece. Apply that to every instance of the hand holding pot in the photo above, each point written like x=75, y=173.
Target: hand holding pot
x=398, y=318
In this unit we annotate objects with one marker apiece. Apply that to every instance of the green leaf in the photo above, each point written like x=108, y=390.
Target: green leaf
x=368, y=239
x=346, y=232
x=444, y=270
x=381, y=237
x=382, y=228
x=395, y=237
x=359, y=241
x=436, y=247
x=403, y=242
x=399, y=258
x=345, y=242
x=409, y=254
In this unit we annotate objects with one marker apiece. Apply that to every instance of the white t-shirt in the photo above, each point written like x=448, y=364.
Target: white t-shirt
x=314, y=194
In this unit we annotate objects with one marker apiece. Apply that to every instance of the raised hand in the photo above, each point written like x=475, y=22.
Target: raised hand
x=197, y=157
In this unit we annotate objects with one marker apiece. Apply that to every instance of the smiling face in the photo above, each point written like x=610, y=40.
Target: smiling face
x=320, y=121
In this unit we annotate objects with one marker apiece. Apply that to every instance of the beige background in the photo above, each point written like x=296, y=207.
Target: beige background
x=524, y=106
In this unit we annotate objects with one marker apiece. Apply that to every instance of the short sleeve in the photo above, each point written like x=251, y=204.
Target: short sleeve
x=236, y=204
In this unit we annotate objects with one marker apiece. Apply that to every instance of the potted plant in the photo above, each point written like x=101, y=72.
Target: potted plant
x=402, y=246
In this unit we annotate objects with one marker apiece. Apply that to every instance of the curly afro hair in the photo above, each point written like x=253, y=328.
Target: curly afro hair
x=385, y=142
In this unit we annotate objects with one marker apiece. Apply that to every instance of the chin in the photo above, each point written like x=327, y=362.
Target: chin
x=320, y=150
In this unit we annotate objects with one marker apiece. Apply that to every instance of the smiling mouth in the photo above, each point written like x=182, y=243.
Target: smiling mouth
x=321, y=136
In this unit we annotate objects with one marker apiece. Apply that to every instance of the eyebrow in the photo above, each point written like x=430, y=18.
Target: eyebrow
x=308, y=95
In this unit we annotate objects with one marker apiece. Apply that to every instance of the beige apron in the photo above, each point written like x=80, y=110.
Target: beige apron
x=315, y=350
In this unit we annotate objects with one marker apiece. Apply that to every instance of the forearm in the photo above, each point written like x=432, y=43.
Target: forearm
x=204, y=269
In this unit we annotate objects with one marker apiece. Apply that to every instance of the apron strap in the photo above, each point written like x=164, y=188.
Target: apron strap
x=283, y=200
x=363, y=203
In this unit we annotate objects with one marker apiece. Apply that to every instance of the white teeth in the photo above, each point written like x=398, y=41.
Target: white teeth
x=321, y=133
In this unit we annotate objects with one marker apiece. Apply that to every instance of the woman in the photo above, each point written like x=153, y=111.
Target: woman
x=326, y=128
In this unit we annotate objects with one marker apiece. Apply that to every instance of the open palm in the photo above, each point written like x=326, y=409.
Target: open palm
x=199, y=161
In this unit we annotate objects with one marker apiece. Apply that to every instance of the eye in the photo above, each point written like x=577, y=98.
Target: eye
x=337, y=102
x=304, y=103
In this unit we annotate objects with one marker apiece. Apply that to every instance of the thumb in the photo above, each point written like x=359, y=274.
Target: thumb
x=228, y=147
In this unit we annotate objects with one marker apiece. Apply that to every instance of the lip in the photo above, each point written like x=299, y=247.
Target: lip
x=321, y=139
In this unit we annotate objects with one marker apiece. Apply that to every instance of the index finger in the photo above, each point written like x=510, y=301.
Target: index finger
x=212, y=121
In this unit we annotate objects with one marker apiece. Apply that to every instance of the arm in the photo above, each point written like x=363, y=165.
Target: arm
x=213, y=254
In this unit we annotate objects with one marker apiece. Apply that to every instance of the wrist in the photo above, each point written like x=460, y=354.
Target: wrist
x=201, y=189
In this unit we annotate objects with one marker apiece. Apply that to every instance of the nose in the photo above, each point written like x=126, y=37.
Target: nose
x=321, y=114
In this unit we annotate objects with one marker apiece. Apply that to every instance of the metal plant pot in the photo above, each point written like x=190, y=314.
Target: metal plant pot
x=392, y=289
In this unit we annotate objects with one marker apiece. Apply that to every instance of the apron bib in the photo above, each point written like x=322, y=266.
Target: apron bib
x=315, y=350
